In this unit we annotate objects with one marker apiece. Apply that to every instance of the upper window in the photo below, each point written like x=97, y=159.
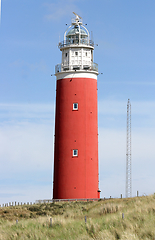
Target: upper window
x=75, y=152
x=86, y=54
x=66, y=54
x=76, y=53
x=75, y=106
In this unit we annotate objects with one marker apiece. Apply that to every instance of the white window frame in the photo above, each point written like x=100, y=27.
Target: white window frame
x=75, y=109
x=75, y=154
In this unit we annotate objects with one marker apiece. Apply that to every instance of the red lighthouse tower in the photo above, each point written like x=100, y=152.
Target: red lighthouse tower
x=76, y=123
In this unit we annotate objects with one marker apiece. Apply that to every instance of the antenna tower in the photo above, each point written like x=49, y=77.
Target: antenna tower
x=128, y=152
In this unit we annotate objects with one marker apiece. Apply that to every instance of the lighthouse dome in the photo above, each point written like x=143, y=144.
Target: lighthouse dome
x=77, y=31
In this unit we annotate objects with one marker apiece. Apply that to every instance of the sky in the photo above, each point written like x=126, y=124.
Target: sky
x=29, y=35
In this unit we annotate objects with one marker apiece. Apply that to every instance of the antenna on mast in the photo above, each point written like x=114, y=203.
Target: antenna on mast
x=128, y=152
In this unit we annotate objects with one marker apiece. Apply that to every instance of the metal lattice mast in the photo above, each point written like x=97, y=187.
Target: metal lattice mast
x=128, y=152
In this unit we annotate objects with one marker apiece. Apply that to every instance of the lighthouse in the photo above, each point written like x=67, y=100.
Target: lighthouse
x=76, y=117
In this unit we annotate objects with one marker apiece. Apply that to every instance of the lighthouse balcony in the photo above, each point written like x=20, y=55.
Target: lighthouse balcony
x=62, y=68
x=70, y=42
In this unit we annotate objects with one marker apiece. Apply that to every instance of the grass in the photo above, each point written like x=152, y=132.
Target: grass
x=104, y=220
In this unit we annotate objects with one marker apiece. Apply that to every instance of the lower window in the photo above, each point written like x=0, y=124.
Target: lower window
x=75, y=152
x=75, y=106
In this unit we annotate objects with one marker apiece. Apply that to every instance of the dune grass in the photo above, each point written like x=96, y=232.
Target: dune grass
x=104, y=220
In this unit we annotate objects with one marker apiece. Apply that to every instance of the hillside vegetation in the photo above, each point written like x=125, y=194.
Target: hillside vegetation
x=104, y=220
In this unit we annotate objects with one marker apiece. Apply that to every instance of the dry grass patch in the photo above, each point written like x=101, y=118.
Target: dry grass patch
x=104, y=220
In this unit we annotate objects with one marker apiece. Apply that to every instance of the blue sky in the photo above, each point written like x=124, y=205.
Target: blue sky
x=29, y=36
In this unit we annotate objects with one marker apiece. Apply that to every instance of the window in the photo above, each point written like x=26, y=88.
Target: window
x=75, y=152
x=76, y=53
x=86, y=54
x=66, y=54
x=75, y=106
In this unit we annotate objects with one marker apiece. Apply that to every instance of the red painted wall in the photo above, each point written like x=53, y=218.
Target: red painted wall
x=76, y=177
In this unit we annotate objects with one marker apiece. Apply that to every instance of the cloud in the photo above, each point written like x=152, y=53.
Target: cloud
x=29, y=112
x=113, y=113
x=26, y=146
x=26, y=193
x=41, y=66
x=29, y=67
x=26, y=153
x=112, y=107
x=142, y=83
x=115, y=107
x=26, y=135
x=60, y=9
